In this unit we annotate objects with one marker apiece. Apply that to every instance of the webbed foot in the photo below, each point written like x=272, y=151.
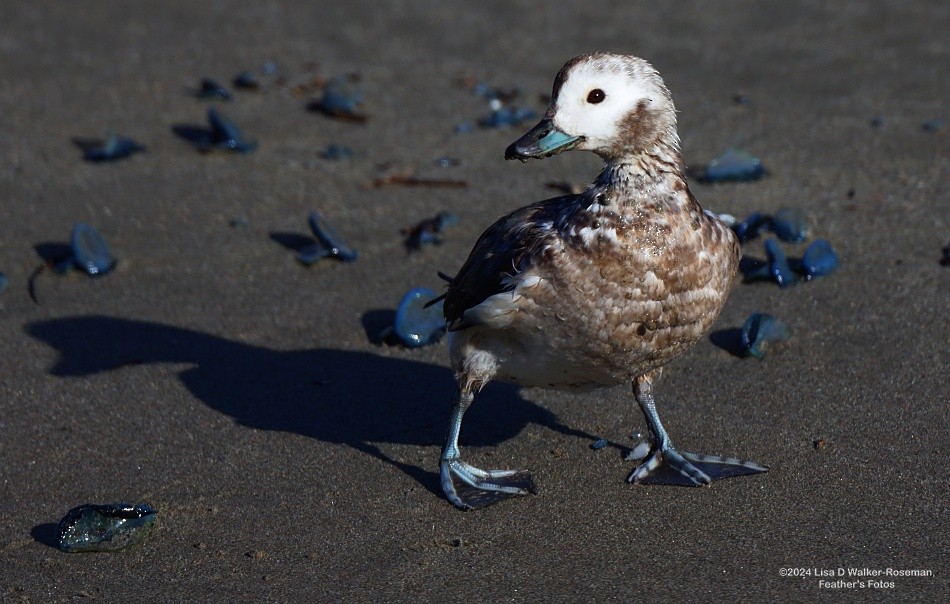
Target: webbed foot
x=666, y=465
x=480, y=488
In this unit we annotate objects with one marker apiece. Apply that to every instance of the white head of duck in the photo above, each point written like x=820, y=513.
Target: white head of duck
x=613, y=105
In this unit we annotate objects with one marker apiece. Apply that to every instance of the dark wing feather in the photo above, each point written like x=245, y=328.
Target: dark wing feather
x=500, y=252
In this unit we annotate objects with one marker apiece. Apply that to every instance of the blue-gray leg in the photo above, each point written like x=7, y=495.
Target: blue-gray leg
x=478, y=487
x=666, y=465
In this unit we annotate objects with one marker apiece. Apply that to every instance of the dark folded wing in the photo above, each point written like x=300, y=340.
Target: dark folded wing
x=504, y=249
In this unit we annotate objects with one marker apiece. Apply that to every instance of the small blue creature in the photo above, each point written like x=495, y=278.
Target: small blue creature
x=418, y=323
x=752, y=226
x=428, y=231
x=210, y=89
x=504, y=117
x=327, y=245
x=733, y=165
x=419, y=320
x=115, y=147
x=226, y=135
x=759, y=331
x=789, y=224
x=335, y=152
x=779, y=268
x=341, y=99
x=246, y=81
x=90, y=252
x=105, y=528
x=819, y=259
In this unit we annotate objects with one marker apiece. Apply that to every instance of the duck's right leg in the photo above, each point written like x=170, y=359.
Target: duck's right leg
x=478, y=488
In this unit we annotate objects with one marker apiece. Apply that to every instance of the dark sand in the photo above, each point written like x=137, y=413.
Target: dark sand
x=291, y=460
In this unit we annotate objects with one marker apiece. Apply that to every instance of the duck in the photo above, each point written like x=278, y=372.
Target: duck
x=596, y=289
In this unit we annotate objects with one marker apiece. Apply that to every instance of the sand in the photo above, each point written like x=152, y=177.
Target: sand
x=293, y=460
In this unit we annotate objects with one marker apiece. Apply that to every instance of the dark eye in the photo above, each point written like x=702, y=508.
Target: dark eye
x=595, y=96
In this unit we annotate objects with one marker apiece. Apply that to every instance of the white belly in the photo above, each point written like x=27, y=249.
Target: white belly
x=484, y=354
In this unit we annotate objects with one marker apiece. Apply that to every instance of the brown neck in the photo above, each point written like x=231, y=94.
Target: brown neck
x=660, y=158
x=647, y=177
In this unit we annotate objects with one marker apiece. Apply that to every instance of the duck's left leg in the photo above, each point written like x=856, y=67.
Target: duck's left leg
x=666, y=465
x=478, y=488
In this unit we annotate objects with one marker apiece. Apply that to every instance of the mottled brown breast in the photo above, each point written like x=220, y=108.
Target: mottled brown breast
x=639, y=291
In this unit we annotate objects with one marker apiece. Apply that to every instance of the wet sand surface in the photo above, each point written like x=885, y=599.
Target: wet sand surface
x=293, y=460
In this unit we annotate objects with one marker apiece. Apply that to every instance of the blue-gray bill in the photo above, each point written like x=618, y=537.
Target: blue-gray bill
x=544, y=140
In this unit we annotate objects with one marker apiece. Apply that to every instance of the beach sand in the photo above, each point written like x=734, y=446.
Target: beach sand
x=293, y=460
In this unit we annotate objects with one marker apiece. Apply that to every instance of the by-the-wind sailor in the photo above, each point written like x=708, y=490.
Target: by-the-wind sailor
x=337, y=152
x=105, y=528
x=115, y=147
x=327, y=245
x=492, y=93
x=313, y=253
x=90, y=252
x=428, y=231
x=503, y=116
x=759, y=331
x=226, y=135
x=246, y=80
x=4, y=282
x=779, y=268
x=734, y=164
x=789, y=224
x=328, y=239
x=819, y=259
x=447, y=162
x=341, y=99
x=752, y=226
x=210, y=89
x=416, y=324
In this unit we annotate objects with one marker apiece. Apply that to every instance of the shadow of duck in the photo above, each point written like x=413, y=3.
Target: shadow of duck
x=354, y=398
